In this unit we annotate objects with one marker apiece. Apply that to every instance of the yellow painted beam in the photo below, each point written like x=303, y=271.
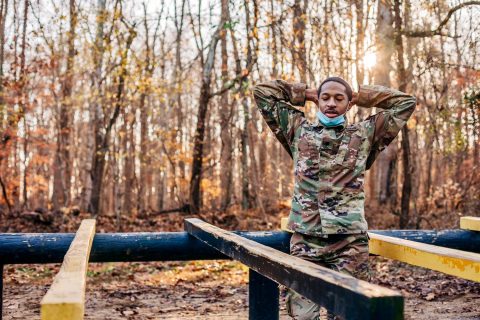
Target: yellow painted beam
x=283, y=225
x=458, y=263
x=470, y=223
x=66, y=297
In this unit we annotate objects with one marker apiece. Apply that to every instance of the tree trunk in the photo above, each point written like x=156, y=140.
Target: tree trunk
x=226, y=113
x=298, y=49
x=198, y=142
x=23, y=97
x=382, y=178
x=178, y=167
x=102, y=141
x=244, y=157
x=94, y=187
x=3, y=107
x=62, y=168
x=129, y=174
x=402, y=83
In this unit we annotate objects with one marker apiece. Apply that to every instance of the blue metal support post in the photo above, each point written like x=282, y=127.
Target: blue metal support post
x=262, y=297
x=1, y=290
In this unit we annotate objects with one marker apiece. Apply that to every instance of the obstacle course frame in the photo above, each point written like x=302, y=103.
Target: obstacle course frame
x=205, y=242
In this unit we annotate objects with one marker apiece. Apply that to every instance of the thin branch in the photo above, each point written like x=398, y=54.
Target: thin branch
x=438, y=30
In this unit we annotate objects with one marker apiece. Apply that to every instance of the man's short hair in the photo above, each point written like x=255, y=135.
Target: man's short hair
x=348, y=89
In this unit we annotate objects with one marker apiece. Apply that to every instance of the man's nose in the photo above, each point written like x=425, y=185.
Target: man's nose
x=331, y=103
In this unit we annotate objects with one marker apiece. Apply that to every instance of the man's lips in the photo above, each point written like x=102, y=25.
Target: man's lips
x=331, y=113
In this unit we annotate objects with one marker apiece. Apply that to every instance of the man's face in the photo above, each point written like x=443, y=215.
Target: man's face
x=333, y=99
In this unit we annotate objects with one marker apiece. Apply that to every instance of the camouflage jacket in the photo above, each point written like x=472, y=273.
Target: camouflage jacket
x=329, y=163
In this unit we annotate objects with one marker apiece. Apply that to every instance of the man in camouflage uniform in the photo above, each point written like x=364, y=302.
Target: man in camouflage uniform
x=330, y=158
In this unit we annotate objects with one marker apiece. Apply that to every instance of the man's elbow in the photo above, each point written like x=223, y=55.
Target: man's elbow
x=413, y=102
x=261, y=92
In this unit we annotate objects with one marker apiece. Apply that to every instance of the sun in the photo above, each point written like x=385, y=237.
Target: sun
x=370, y=60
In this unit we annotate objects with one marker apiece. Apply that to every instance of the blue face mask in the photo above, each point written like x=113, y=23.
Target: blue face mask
x=330, y=122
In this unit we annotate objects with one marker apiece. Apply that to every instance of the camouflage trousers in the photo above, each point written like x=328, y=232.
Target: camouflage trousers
x=346, y=253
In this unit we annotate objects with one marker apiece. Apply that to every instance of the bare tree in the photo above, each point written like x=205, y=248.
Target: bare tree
x=102, y=132
x=62, y=167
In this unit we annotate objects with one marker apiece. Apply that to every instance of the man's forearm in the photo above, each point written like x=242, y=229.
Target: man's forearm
x=398, y=107
x=279, y=90
x=383, y=97
x=274, y=100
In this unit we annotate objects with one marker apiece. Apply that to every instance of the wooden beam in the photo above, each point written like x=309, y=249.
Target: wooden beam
x=450, y=261
x=470, y=223
x=283, y=225
x=342, y=294
x=66, y=297
x=465, y=240
x=458, y=263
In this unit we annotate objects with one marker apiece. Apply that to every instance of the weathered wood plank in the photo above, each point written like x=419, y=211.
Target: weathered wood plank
x=66, y=297
x=283, y=225
x=464, y=240
x=470, y=223
x=458, y=263
x=343, y=295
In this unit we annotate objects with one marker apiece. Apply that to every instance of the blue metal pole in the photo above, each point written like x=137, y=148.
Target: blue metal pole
x=262, y=297
x=1, y=290
x=123, y=247
x=173, y=246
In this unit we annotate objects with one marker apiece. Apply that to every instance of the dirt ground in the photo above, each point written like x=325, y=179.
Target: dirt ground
x=218, y=290
x=204, y=289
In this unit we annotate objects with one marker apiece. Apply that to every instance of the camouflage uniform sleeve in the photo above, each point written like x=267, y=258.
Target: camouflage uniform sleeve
x=385, y=125
x=274, y=100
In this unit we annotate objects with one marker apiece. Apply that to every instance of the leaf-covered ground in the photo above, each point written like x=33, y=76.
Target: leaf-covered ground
x=218, y=290
x=204, y=289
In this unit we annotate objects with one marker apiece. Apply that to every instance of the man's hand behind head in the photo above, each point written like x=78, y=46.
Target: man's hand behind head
x=354, y=98
x=311, y=95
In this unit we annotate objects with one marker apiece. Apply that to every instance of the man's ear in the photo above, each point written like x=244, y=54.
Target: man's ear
x=350, y=105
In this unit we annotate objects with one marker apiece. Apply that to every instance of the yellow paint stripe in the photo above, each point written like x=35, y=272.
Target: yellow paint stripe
x=458, y=263
x=283, y=225
x=66, y=297
x=454, y=262
x=470, y=223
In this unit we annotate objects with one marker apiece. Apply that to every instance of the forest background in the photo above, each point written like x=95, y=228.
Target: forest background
x=129, y=109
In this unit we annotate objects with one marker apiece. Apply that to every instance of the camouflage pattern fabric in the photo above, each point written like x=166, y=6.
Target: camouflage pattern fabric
x=344, y=253
x=330, y=163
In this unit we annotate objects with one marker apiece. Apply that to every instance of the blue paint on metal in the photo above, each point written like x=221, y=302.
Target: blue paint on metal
x=123, y=247
x=454, y=239
x=263, y=297
x=35, y=248
x=1, y=290
x=177, y=246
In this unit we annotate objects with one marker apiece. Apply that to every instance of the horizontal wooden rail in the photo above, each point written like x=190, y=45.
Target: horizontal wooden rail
x=458, y=263
x=454, y=239
x=470, y=223
x=464, y=240
x=343, y=295
x=66, y=297
x=462, y=264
